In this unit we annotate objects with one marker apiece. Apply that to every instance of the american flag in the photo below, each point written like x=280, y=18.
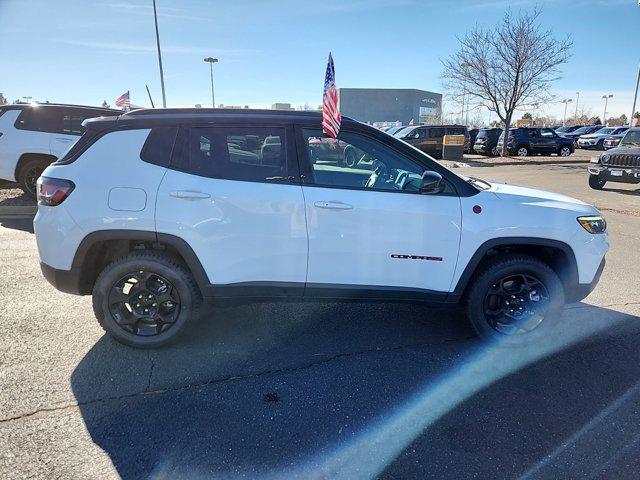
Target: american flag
x=330, y=110
x=123, y=100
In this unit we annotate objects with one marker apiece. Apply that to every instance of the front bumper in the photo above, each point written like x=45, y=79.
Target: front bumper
x=626, y=175
x=586, y=144
x=582, y=290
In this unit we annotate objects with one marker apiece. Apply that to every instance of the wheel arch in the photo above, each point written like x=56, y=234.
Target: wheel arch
x=100, y=248
x=25, y=157
x=555, y=253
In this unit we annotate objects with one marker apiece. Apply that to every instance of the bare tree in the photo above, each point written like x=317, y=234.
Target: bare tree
x=509, y=66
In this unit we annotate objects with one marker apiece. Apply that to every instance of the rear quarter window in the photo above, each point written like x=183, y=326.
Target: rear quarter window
x=158, y=147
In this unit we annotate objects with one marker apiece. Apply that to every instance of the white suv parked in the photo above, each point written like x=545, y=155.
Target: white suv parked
x=34, y=135
x=156, y=209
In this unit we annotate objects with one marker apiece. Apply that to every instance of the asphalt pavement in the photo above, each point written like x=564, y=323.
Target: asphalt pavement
x=321, y=390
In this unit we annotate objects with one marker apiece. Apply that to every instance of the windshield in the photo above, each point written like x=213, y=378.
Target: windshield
x=631, y=138
x=404, y=132
x=562, y=129
x=583, y=130
x=605, y=131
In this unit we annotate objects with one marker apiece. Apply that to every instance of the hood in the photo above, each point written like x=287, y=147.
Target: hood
x=631, y=150
x=519, y=194
x=595, y=135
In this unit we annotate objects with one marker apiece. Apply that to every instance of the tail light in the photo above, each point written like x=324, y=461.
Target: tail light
x=53, y=191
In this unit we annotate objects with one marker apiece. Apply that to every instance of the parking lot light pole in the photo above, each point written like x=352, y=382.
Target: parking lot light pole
x=604, y=114
x=155, y=17
x=577, y=100
x=635, y=97
x=211, y=61
x=566, y=102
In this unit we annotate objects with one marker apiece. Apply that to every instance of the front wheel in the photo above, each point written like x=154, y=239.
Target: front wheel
x=495, y=152
x=564, y=151
x=597, y=182
x=522, y=151
x=514, y=298
x=145, y=300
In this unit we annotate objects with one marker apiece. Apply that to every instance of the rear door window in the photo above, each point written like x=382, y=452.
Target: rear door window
x=254, y=154
x=40, y=119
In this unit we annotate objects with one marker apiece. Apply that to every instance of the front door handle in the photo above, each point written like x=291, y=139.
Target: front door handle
x=189, y=195
x=333, y=205
x=66, y=140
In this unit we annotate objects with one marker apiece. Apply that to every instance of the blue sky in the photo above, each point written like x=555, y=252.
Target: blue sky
x=78, y=51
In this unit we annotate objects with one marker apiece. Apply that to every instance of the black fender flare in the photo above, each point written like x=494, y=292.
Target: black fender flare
x=570, y=281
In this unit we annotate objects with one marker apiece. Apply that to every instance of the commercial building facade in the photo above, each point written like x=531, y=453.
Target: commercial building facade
x=376, y=105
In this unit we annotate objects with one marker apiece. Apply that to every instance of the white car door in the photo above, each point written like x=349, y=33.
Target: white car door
x=230, y=193
x=370, y=228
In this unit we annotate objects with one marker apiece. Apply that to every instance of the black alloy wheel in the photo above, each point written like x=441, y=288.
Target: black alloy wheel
x=516, y=304
x=144, y=303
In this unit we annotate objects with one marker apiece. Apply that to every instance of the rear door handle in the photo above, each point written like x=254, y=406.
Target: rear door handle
x=66, y=140
x=189, y=195
x=333, y=205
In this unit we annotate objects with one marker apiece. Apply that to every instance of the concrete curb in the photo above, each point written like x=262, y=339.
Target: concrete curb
x=18, y=211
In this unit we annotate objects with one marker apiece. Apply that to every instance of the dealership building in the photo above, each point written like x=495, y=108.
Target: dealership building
x=376, y=105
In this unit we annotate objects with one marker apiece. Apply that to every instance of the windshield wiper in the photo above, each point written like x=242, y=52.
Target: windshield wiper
x=477, y=181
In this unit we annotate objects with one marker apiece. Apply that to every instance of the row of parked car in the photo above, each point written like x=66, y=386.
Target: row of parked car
x=521, y=141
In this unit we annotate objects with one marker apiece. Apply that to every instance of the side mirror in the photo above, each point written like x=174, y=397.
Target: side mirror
x=431, y=183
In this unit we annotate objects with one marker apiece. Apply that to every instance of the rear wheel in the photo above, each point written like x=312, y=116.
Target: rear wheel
x=600, y=145
x=597, y=182
x=514, y=298
x=145, y=300
x=495, y=152
x=29, y=173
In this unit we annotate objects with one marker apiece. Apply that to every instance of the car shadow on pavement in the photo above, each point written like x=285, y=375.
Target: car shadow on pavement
x=356, y=391
x=24, y=224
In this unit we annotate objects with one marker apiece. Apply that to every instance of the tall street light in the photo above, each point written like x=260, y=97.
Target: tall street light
x=577, y=100
x=635, y=97
x=604, y=115
x=155, y=17
x=566, y=102
x=211, y=61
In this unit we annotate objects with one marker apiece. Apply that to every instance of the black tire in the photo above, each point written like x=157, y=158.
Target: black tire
x=494, y=152
x=29, y=173
x=182, y=285
x=597, y=182
x=350, y=158
x=522, y=151
x=545, y=311
x=600, y=145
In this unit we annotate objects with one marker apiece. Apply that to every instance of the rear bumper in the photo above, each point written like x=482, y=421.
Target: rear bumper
x=581, y=290
x=67, y=281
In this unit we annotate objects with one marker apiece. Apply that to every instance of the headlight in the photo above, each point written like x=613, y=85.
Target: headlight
x=593, y=224
x=604, y=158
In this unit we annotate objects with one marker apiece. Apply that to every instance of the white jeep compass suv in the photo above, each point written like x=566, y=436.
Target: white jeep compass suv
x=34, y=135
x=156, y=209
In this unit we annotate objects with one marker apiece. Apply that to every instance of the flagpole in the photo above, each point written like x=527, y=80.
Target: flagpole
x=155, y=17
